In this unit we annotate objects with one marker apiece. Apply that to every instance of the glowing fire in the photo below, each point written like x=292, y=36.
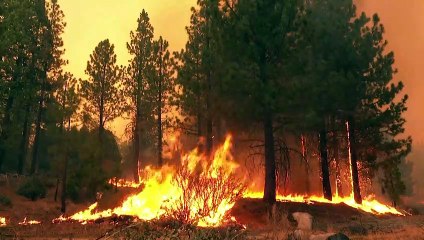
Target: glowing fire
x=30, y=222
x=369, y=204
x=123, y=183
x=199, y=191
x=181, y=192
x=2, y=221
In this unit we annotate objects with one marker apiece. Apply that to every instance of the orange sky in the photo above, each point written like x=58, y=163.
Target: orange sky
x=90, y=21
x=404, y=24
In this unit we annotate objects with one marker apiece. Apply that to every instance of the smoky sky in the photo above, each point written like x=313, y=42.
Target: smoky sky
x=404, y=24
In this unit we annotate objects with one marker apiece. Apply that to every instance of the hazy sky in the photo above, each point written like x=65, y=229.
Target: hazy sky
x=90, y=21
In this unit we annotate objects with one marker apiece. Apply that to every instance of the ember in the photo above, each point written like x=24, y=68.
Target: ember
x=30, y=222
x=2, y=221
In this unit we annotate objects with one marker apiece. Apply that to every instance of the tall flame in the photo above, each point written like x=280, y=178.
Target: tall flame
x=200, y=191
x=164, y=193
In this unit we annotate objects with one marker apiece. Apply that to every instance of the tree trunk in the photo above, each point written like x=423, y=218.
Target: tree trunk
x=8, y=109
x=56, y=190
x=160, y=134
x=34, y=161
x=137, y=130
x=209, y=137
x=270, y=168
x=305, y=159
x=353, y=159
x=5, y=128
x=326, y=185
x=36, y=145
x=339, y=185
x=65, y=175
x=23, y=146
x=136, y=149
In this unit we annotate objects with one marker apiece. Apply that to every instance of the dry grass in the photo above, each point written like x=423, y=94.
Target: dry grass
x=410, y=233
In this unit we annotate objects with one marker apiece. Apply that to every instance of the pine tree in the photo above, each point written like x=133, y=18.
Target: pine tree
x=101, y=91
x=161, y=88
x=256, y=46
x=139, y=70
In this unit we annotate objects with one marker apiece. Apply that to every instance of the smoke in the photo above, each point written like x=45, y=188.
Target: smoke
x=402, y=21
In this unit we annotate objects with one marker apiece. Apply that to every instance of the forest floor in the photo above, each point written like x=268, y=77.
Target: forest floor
x=251, y=214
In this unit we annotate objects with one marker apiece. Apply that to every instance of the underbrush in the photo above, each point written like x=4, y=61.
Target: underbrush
x=173, y=230
x=32, y=188
x=5, y=201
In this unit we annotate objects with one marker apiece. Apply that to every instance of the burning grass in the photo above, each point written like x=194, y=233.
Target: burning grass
x=201, y=192
x=369, y=204
x=29, y=222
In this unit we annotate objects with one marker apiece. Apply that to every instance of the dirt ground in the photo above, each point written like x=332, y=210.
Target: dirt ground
x=260, y=221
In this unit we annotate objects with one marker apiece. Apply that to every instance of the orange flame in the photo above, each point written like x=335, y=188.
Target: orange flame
x=122, y=183
x=162, y=193
x=30, y=222
x=2, y=221
x=369, y=204
x=169, y=189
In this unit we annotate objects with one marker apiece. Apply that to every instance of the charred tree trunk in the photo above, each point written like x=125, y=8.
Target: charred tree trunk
x=305, y=159
x=57, y=189
x=137, y=127
x=137, y=136
x=270, y=168
x=353, y=159
x=326, y=185
x=23, y=146
x=339, y=185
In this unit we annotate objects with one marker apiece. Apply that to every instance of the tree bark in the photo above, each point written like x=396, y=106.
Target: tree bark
x=160, y=134
x=209, y=124
x=354, y=159
x=305, y=159
x=23, y=146
x=339, y=185
x=137, y=146
x=34, y=161
x=65, y=175
x=326, y=185
x=270, y=168
x=5, y=128
x=137, y=129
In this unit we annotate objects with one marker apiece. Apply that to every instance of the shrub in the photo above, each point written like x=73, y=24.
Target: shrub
x=32, y=189
x=5, y=201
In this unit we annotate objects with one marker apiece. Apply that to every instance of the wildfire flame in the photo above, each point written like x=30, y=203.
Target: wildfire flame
x=30, y=222
x=165, y=193
x=123, y=183
x=2, y=221
x=200, y=191
x=369, y=204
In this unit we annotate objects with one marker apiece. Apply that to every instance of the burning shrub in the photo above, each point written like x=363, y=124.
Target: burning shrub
x=208, y=191
x=32, y=189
